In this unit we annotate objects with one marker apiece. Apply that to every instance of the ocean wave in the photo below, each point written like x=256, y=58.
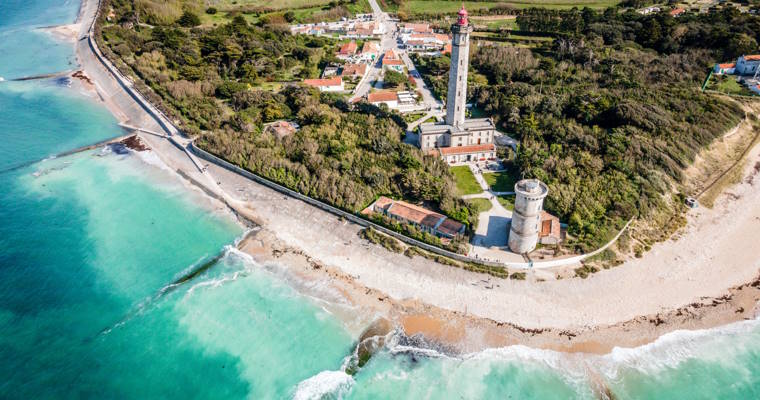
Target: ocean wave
x=715, y=345
x=326, y=384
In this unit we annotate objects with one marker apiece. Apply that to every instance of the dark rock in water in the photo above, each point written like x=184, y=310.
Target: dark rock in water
x=134, y=143
x=63, y=81
x=370, y=341
x=118, y=148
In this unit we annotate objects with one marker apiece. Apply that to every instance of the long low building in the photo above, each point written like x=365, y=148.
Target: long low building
x=463, y=154
x=424, y=219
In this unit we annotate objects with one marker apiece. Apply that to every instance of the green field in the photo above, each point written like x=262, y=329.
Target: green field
x=303, y=10
x=499, y=23
x=273, y=4
x=466, y=183
x=501, y=181
x=480, y=205
x=478, y=7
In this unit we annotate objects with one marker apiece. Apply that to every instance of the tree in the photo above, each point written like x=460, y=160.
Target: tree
x=394, y=79
x=290, y=16
x=189, y=20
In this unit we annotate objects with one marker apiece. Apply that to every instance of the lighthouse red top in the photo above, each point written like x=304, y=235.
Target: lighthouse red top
x=462, y=20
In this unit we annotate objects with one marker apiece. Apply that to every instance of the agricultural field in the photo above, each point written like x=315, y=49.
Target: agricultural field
x=285, y=11
x=411, y=7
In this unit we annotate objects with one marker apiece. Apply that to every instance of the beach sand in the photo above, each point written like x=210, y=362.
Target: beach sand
x=707, y=277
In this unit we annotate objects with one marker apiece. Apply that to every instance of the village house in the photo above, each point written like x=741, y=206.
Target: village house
x=334, y=84
x=649, y=10
x=329, y=71
x=422, y=218
x=410, y=28
x=427, y=42
x=747, y=65
x=392, y=62
x=677, y=12
x=725, y=68
x=347, y=50
x=370, y=51
x=387, y=97
x=353, y=71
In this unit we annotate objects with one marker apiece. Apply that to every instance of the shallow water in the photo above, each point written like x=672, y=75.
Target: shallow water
x=91, y=244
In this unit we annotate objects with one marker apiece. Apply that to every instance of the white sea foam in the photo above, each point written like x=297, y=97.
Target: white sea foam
x=334, y=383
x=715, y=345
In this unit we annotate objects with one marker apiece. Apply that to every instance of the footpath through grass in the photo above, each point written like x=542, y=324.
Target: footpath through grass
x=465, y=180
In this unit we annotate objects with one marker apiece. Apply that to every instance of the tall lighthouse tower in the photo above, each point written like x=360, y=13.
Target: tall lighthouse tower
x=460, y=51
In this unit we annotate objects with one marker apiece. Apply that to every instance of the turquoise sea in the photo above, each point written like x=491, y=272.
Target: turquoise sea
x=92, y=245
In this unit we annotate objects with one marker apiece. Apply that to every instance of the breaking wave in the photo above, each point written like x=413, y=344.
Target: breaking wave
x=324, y=385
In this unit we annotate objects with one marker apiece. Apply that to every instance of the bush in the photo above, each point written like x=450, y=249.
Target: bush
x=211, y=10
x=189, y=20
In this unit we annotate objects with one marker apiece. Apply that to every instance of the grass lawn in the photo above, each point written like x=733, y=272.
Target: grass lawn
x=481, y=205
x=501, y=181
x=507, y=201
x=466, y=183
x=728, y=84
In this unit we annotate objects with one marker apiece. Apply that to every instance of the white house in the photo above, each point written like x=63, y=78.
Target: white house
x=747, y=65
x=386, y=97
x=726, y=68
x=334, y=84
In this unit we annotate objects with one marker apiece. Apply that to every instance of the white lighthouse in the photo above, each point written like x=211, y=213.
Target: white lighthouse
x=456, y=98
x=456, y=139
x=529, y=202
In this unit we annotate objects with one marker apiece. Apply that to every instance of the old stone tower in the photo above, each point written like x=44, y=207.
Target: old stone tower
x=529, y=201
x=460, y=51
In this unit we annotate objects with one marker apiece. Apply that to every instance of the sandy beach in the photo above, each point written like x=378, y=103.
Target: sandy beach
x=708, y=276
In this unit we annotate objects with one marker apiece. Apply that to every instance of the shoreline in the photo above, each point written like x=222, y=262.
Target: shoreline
x=470, y=310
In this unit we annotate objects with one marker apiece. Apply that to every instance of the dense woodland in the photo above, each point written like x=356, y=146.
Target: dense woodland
x=608, y=116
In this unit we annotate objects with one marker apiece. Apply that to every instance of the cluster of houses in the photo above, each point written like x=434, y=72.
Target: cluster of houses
x=675, y=13
x=356, y=66
x=420, y=37
x=746, y=68
x=363, y=26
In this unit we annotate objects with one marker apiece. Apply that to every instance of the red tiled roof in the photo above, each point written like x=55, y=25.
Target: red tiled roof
x=385, y=95
x=447, y=48
x=348, y=48
x=390, y=55
x=369, y=47
x=392, y=62
x=450, y=227
x=476, y=148
x=354, y=69
x=677, y=11
x=418, y=27
x=335, y=81
x=752, y=57
x=727, y=65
